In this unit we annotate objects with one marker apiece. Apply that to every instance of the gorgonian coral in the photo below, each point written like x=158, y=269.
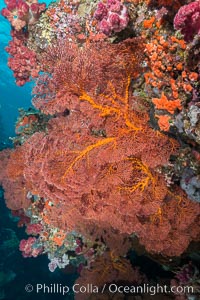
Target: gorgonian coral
x=98, y=162
x=72, y=71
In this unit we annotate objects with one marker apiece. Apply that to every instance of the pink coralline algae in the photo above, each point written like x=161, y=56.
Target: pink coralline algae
x=23, y=61
x=187, y=20
x=112, y=16
x=30, y=247
x=21, y=13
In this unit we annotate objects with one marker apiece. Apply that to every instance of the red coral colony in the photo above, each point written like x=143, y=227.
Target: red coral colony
x=108, y=161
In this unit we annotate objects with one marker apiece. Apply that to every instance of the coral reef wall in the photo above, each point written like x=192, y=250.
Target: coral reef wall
x=111, y=147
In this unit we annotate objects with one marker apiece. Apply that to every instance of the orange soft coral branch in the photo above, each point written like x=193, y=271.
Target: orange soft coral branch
x=149, y=23
x=59, y=238
x=169, y=105
x=163, y=122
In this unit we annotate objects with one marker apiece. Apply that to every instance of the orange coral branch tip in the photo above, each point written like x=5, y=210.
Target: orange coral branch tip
x=193, y=76
x=163, y=122
x=164, y=103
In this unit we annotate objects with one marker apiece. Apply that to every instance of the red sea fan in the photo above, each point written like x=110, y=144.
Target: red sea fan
x=91, y=170
x=92, y=176
x=16, y=194
x=108, y=268
x=97, y=163
x=13, y=180
x=169, y=230
x=4, y=158
x=101, y=164
x=76, y=70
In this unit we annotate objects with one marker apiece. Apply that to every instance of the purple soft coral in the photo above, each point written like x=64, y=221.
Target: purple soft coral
x=112, y=16
x=187, y=20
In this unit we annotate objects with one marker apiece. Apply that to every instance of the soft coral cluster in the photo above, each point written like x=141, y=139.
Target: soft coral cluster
x=187, y=20
x=30, y=247
x=34, y=229
x=21, y=13
x=23, y=61
x=167, y=71
x=112, y=16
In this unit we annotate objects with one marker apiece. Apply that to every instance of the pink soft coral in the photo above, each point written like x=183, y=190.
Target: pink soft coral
x=112, y=16
x=22, y=60
x=187, y=20
x=21, y=13
x=30, y=247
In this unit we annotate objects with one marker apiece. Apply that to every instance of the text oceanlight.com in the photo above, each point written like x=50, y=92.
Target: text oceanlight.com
x=57, y=288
